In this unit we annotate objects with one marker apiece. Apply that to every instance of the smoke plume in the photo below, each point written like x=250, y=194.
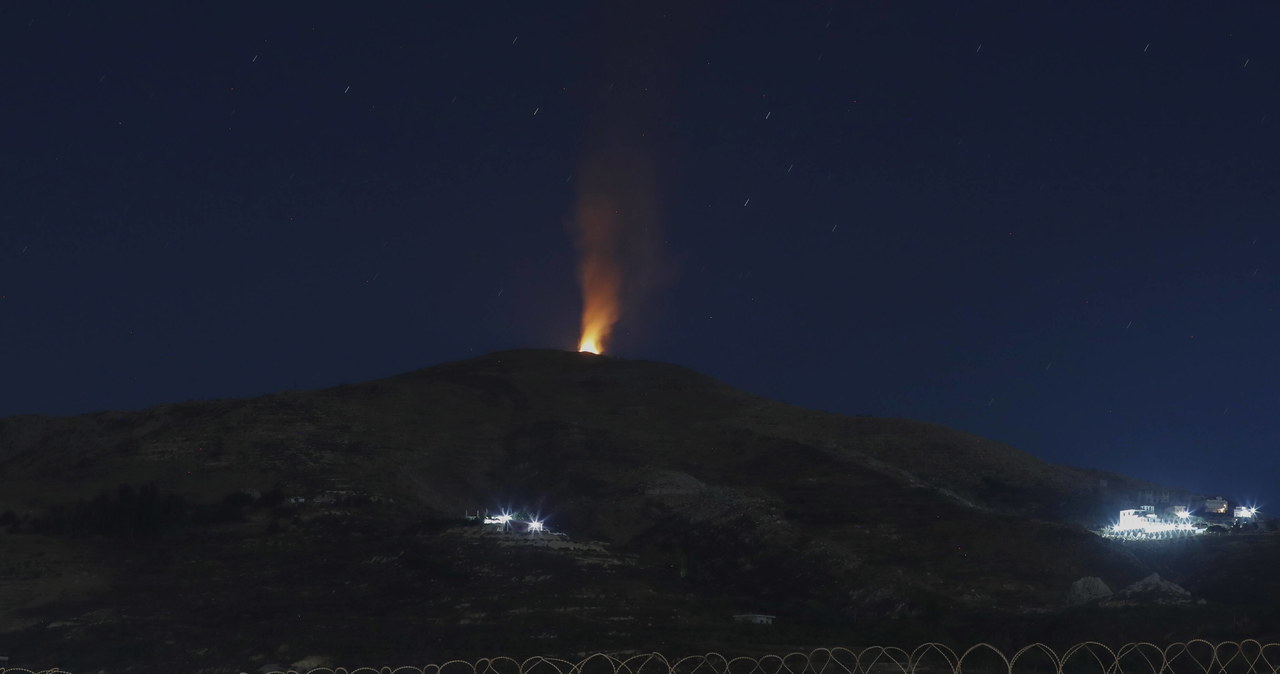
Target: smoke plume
x=618, y=214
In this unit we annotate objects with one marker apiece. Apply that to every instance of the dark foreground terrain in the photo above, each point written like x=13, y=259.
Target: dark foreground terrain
x=228, y=535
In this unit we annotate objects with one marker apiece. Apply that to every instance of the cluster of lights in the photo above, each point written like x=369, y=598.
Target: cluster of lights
x=1138, y=522
x=1151, y=527
x=506, y=518
x=1144, y=522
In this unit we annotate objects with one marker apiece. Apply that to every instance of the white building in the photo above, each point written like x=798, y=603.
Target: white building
x=1243, y=513
x=1216, y=505
x=1136, y=518
x=1144, y=523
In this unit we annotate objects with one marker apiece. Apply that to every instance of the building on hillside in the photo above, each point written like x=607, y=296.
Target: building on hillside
x=525, y=526
x=1159, y=496
x=1136, y=518
x=518, y=522
x=1244, y=513
x=1143, y=523
x=754, y=618
x=1216, y=505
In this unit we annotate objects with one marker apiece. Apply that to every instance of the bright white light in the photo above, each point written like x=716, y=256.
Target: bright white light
x=1130, y=519
x=1141, y=524
x=535, y=525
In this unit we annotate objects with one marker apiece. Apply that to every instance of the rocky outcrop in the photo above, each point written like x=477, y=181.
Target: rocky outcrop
x=1150, y=590
x=1086, y=591
x=310, y=662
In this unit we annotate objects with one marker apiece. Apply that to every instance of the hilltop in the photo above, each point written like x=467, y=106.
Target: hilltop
x=331, y=522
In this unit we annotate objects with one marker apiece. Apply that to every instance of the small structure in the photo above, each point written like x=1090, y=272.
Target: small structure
x=1244, y=513
x=1160, y=496
x=530, y=526
x=754, y=618
x=519, y=522
x=1216, y=505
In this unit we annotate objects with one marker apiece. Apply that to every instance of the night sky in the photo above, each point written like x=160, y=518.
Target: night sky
x=1053, y=224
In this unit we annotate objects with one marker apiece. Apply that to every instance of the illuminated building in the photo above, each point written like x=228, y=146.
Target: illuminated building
x=1216, y=505
x=1144, y=523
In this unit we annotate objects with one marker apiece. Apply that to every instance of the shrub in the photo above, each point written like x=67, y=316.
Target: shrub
x=126, y=512
x=273, y=498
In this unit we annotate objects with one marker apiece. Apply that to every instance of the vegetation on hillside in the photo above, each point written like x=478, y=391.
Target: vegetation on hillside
x=682, y=502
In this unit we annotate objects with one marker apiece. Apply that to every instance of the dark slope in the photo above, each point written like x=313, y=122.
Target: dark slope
x=707, y=502
x=474, y=415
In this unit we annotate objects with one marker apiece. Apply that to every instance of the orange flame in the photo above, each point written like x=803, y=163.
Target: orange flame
x=589, y=345
x=600, y=272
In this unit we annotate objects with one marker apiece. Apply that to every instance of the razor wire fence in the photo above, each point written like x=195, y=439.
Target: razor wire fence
x=1197, y=656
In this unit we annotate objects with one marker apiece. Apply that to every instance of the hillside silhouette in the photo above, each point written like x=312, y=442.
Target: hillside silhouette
x=333, y=522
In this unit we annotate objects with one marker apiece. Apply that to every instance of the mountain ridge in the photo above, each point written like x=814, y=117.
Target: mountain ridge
x=702, y=500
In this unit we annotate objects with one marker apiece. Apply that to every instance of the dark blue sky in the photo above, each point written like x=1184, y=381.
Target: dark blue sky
x=1052, y=224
